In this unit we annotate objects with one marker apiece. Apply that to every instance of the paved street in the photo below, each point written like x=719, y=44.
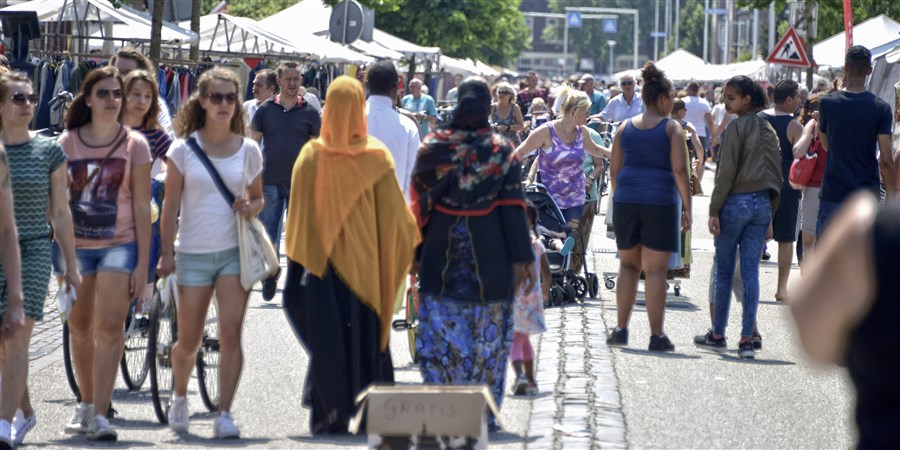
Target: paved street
x=592, y=397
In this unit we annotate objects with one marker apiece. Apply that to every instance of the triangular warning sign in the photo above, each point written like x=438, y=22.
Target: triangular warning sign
x=790, y=51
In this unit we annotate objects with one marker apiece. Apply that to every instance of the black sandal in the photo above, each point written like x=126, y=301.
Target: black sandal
x=757, y=341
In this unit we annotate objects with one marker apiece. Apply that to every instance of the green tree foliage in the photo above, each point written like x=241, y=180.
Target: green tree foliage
x=831, y=12
x=490, y=30
x=691, y=29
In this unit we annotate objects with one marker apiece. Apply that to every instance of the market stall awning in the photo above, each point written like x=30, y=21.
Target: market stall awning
x=682, y=65
x=223, y=33
x=128, y=24
x=879, y=34
x=459, y=66
x=315, y=17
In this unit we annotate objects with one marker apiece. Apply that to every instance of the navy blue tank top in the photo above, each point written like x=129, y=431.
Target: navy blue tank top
x=780, y=124
x=646, y=177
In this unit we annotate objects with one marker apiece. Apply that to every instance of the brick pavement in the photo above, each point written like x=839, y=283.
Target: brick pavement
x=580, y=407
x=46, y=339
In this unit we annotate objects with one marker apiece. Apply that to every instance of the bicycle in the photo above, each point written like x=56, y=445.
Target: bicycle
x=163, y=336
x=411, y=319
x=135, y=362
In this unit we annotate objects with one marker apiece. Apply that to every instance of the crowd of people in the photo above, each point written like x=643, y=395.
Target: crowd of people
x=373, y=187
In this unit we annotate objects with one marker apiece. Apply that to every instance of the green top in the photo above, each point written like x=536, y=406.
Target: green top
x=30, y=166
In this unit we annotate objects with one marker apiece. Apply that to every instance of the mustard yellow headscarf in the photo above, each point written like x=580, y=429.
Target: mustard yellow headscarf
x=347, y=209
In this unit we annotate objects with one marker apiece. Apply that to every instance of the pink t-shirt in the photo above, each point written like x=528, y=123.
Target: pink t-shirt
x=102, y=212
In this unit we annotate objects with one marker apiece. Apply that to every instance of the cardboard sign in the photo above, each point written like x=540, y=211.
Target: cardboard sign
x=425, y=410
x=789, y=51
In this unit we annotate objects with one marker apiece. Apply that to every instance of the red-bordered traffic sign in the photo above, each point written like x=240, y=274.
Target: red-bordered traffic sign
x=790, y=51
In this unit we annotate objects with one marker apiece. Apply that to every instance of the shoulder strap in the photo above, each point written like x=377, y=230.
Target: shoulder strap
x=213, y=173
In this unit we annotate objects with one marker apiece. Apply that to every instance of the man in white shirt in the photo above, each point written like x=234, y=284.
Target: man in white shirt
x=396, y=131
x=699, y=114
x=264, y=87
x=625, y=105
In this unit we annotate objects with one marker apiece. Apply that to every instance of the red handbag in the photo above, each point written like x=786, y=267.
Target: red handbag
x=802, y=170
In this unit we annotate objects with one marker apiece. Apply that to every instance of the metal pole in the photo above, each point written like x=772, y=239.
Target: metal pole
x=728, y=19
x=755, y=33
x=677, y=22
x=705, y=31
x=565, y=48
x=637, y=21
x=656, y=30
x=346, y=11
x=666, y=26
x=771, y=26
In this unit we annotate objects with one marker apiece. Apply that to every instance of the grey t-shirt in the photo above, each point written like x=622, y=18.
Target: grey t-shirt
x=285, y=133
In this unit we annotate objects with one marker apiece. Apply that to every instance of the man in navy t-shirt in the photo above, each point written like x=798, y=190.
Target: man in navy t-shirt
x=851, y=122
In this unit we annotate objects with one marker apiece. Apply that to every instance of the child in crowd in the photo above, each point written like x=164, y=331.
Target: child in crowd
x=529, y=315
x=539, y=113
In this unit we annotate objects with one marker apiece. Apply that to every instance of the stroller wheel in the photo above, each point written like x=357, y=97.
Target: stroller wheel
x=593, y=285
x=581, y=287
x=570, y=293
x=556, y=296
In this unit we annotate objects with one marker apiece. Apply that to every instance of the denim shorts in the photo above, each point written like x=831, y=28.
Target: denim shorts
x=120, y=258
x=202, y=269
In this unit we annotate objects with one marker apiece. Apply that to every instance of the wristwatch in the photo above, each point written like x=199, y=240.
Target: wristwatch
x=592, y=177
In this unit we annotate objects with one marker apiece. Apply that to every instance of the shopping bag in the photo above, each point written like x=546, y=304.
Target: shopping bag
x=258, y=258
x=802, y=170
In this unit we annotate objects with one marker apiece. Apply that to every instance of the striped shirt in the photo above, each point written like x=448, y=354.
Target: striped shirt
x=159, y=142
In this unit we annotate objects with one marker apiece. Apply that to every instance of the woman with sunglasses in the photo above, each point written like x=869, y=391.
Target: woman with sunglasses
x=506, y=116
x=109, y=166
x=809, y=145
x=206, y=257
x=37, y=167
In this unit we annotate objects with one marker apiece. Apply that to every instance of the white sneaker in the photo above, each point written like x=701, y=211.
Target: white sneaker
x=78, y=424
x=21, y=426
x=99, y=430
x=6, y=441
x=179, y=417
x=224, y=427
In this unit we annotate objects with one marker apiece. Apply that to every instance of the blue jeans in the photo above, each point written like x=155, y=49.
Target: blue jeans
x=277, y=197
x=743, y=221
x=826, y=210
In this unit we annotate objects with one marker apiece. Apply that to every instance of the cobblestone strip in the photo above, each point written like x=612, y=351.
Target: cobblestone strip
x=584, y=410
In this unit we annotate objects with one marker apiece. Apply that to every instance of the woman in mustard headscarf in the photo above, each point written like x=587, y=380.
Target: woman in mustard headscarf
x=350, y=241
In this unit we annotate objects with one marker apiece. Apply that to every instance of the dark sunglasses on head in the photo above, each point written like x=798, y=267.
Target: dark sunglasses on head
x=218, y=98
x=103, y=94
x=20, y=99
x=627, y=83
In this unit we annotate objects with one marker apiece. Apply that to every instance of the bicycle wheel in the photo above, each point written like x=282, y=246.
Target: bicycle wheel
x=412, y=316
x=208, y=360
x=69, y=363
x=163, y=334
x=136, y=359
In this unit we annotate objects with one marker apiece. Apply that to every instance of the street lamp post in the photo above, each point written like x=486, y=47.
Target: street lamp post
x=611, y=45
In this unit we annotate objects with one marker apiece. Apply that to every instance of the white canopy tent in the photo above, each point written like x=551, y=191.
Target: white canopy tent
x=879, y=34
x=316, y=17
x=223, y=33
x=682, y=66
x=98, y=20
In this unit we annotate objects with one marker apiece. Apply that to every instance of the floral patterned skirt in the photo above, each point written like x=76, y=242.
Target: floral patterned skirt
x=464, y=343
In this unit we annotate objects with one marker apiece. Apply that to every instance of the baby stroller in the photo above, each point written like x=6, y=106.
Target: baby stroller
x=566, y=286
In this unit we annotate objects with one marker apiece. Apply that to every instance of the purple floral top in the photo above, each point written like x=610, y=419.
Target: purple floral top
x=561, y=172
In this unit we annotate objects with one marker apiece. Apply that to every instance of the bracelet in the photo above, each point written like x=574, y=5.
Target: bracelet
x=592, y=177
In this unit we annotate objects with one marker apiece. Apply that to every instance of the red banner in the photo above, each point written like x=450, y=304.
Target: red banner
x=848, y=25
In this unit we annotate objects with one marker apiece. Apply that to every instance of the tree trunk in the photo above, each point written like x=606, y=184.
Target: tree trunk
x=195, y=27
x=156, y=32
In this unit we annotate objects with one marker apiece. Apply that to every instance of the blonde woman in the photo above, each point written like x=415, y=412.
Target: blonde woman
x=563, y=143
x=207, y=258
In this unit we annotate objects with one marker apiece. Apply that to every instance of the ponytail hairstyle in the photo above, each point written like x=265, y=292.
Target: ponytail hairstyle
x=79, y=113
x=151, y=121
x=747, y=87
x=192, y=116
x=655, y=84
x=6, y=81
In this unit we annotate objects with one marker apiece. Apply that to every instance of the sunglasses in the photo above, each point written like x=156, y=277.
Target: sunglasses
x=627, y=83
x=103, y=94
x=506, y=93
x=217, y=98
x=20, y=99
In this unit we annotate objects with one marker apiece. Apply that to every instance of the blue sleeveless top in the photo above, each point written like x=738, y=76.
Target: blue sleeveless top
x=646, y=177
